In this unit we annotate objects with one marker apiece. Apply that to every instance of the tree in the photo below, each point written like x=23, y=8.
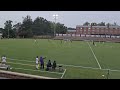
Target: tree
x=86, y=24
x=29, y=28
x=94, y=24
x=42, y=27
x=115, y=24
x=1, y=31
x=8, y=31
x=60, y=28
x=101, y=24
x=26, y=27
x=17, y=28
x=71, y=28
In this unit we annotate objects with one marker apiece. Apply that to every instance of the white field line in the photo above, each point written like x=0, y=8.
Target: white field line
x=21, y=64
x=25, y=64
x=63, y=74
x=58, y=64
x=94, y=56
x=69, y=66
x=37, y=70
x=31, y=69
x=20, y=60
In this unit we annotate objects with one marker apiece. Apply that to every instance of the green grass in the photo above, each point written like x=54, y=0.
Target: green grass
x=76, y=53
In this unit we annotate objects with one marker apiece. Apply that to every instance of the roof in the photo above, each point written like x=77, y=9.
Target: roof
x=99, y=26
x=71, y=30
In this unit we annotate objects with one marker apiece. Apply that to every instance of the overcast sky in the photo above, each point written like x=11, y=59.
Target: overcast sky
x=69, y=18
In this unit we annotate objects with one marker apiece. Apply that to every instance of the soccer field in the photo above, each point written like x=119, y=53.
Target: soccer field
x=80, y=59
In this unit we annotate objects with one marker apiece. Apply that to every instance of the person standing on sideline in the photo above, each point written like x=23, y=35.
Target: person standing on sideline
x=93, y=43
x=61, y=40
x=37, y=60
x=49, y=65
x=54, y=65
x=42, y=63
x=4, y=59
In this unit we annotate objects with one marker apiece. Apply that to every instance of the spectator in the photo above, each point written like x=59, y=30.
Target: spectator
x=4, y=60
x=49, y=65
x=37, y=60
x=54, y=65
x=93, y=43
x=42, y=62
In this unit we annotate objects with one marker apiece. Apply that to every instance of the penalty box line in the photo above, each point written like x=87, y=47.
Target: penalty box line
x=94, y=55
x=63, y=74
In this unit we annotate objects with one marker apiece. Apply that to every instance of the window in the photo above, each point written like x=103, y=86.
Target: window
x=106, y=30
x=89, y=28
x=81, y=28
x=102, y=30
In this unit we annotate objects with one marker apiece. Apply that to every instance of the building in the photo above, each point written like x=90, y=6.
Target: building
x=99, y=31
x=71, y=32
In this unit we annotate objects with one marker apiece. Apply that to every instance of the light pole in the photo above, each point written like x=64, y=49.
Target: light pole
x=55, y=17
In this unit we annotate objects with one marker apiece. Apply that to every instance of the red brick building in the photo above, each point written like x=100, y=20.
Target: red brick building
x=97, y=30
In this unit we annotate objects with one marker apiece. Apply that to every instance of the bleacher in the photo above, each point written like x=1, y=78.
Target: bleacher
x=6, y=67
x=97, y=39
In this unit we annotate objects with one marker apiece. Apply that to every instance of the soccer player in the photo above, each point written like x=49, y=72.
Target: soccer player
x=37, y=60
x=35, y=40
x=71, y=40
x=4, y=60
x=61, y=40
x=48, y=40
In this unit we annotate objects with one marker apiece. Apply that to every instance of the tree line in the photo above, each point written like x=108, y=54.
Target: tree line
x=29, y=28
x=99, y=24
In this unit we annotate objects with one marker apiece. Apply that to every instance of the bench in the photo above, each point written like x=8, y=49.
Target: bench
x=60, y=68
x=6, y=67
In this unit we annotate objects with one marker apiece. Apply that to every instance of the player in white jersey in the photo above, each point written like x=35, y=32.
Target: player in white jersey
x=4, y=60
x=37, y=62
